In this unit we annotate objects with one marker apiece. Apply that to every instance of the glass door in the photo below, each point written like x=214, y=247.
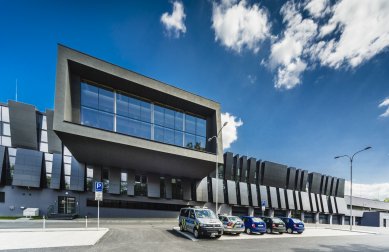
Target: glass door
x=66, y=205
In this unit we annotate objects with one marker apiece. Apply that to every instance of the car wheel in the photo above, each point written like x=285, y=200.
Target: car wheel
x=280, y=233
x=217, y=236
x=299, y=232
x=248, y=231
x=261, y=233
x=196, y=234
x=290, y=230
x=268, y=230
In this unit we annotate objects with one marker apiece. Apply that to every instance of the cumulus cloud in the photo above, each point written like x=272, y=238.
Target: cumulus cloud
x=238, y=25
x=370, y=191
x=174, y=22
x=230, y=131
x=342, y=35
x=385, y=103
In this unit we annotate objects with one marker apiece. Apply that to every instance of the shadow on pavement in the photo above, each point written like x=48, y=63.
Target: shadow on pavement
x=345, y=248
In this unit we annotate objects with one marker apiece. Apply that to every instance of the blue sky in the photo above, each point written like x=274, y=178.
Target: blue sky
x=304, y=80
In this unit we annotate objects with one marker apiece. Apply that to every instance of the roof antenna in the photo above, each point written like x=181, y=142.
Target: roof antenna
x=16, y=92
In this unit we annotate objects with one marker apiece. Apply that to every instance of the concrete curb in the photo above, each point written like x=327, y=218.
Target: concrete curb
x=52, y=230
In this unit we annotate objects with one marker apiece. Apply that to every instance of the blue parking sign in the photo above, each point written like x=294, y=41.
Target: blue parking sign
x=98, y=186
x=263, y=203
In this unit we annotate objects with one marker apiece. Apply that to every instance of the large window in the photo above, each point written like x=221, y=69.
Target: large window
x=176, y=189
x=140, y=186
x=118, y=112
x=5, y=129
x=89, y=178
x=123, y=182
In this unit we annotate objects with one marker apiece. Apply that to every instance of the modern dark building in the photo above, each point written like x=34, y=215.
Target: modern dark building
x=147, y=142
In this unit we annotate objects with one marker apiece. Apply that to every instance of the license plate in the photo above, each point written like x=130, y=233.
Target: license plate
x=213, y=234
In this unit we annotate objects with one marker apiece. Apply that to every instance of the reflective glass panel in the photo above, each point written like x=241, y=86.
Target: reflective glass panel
x=169, y=136
x=158, y=115
x=178, y=138
x=89, y=117
x=201, y=127
x=179, y=121
x=106, y=121
x=5, y=114
x=145, y=130
x=6, y=129
x=123, y=125
x=89, y=96
x=134, y=108
x=145, y=111
x=190, y=124
x=106, y=100
x=190, y=141
x=200, y=143
x=158, y=133
x=121, y=105
x=169, y=118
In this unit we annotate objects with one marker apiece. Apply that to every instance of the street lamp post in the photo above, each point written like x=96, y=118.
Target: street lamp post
x=217, y=162
x=351, y=182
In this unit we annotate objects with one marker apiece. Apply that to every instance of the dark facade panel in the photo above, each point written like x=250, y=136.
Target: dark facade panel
x=281, y=198
x=168, y=188
x=231, y=189
x=259, y=172
x=298, y=179
x=323, y=184
x=220, y=192
x=274, y=174
x=244, y=168
x=318, y=203
x=228, y=165
x=237, y=169
x=53, y=141
x=202, y=190
x=244, y=194
x=57, y=172
x=273, y=197
x=290, y=203
x=77, y=176
x=332, y=205
x=291, y=178
x=333, y=186
x=314, y=182
x=186, y=189
x=263, y=195
x=114, y=181
x=324, y=201
x=97, y=175
x=341, y=205
x=28, y=168
x=2, y=165
x=153, y=186
x=305, y=204
x=340, y=188
x=297, y=200
x=254, y=195
x=328, y=185
x=313, y=204
x=23, y=123
x=304, y=180
x=252, y=170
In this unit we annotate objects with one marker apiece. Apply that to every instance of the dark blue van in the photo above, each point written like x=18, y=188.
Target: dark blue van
x=293, y=225
x=254, y=225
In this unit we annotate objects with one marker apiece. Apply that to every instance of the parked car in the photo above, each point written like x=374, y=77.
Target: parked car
x=232, y=224
x=254, y=225
x=200, y=221
x=274, y=225
x=293, y=225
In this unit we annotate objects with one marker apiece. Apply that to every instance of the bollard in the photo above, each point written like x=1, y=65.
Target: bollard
x=86, y=222
x=44, y=222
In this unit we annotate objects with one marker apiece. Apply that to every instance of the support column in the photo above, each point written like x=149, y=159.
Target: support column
x=225, y=209
x=342, y=220
x=288, y=213
x=211, y=206
x=302, y=216
x=271, y=213
x=317, y=218
x=330, y=219
x=251, y=211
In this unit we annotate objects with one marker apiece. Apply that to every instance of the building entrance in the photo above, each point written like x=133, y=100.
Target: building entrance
x=66, y=205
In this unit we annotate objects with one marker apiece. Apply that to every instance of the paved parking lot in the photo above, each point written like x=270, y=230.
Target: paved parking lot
x=158, y=235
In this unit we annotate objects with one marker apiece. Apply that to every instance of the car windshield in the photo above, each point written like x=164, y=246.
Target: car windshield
x=277, y=220
x=296, y=221
x=257, y=220
x=205, y=213
x=233, y=218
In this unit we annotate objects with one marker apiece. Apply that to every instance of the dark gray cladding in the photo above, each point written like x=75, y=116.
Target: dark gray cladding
x=340, y=188
x=77, y=176
x=332, y=205
x=328, y=185
x=304, y=199
x=114, y=181
x=297, y=200
x=186, y=189
x=252, y=170
x=220, y=196
x=23, y=123
x=153, y=186
x=28, y=168
x=341, y=205
x=259, y=172
x=291, y=178
x=319, y=204
x=254, y=195
x=131, y=184
x=243, y=167
x=298, y=179
x=272, y=195
x=2, y=165
x=333, y=186
x=281, y=198
x=274, y=174
x=237, y=170
x=57, y=172
x=202, y=190
x=228, y=165
x=263, y=195
x=96, y=175
x=313, y=204
x=290, y=199
x=304, y=180
x=314, y=182
x=54, y=143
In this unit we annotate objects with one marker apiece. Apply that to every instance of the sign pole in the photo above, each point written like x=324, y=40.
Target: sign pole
x=98, y=214
x=98, y=197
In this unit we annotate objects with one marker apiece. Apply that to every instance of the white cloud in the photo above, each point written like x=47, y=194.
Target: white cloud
x=385, y=103
x=238, y=25
x=364, y=32
x=370, y=191
x=287, y=52
x=230, y=131
x=174, y=23
x=317, y=8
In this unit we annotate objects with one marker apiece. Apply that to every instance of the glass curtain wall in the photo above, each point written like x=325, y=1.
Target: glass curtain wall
x=118, y=112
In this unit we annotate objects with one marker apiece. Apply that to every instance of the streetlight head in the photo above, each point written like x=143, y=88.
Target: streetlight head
x=368, y=147
x=336, y=157
x=210, y=139
x=225, y=123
